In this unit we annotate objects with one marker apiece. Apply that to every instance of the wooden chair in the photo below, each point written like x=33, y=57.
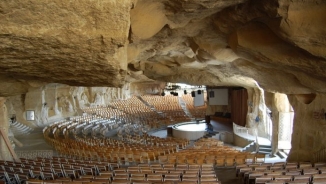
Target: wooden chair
x=298, y=182
x=275, y=182
x=142, y=182
x=302, y=177
x=220, y=161
x=284, y=178
x=52, y=182
x=102, y=180
x=319, y=181
x=260, y=158
x=263, y=179
x=34, y=181
x=155, y=177
x=201, y=180
x=172, y=177
x=190, y=177
x=47, y=176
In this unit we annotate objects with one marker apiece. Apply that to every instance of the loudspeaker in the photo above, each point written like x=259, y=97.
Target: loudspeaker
x=193, y=94
x=211, y=94
x=163, y=94
x=175, y=94
x=171, y=92
x=199, y=92
x=185, y=92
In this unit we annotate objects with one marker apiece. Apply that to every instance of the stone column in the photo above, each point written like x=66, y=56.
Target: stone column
x=4, y=126
x=281, y=107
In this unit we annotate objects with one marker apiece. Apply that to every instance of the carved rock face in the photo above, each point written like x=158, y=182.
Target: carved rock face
x=279, y=45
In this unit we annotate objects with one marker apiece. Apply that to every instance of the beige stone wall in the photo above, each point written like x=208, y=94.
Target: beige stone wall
x=211, y=109
x=53, y=102
x=309, y=133
x=4, y=126
x=257, y=108
x=143, y=88
x=280, y=107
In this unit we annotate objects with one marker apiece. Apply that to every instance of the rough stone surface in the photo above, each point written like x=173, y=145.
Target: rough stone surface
x=72, y=42
x=309, y=127
x=278, y=44
x=54, y=102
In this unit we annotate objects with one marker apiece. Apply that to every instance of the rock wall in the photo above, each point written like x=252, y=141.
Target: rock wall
x=53, y=102
x=256, y=117
x=147, y=88
x=80, y=43
x=4, y=126
x=281, y=111
x=309, y=127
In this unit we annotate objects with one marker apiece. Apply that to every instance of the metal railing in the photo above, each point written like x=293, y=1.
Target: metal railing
x=35, y=153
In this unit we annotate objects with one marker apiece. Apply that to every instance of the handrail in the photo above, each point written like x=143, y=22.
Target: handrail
x=320, y=155
x=238, y=130
x=11, y=150
x=257, y=143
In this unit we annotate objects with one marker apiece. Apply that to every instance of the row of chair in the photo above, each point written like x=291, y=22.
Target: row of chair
x=60, y=169
x=282, y=172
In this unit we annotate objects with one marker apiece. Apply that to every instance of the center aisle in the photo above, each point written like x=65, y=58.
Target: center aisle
x=227, y=176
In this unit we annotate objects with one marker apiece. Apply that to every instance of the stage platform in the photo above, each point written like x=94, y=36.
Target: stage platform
x=189, y=130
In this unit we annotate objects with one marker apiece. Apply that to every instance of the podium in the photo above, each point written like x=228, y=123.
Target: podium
x=169, y=130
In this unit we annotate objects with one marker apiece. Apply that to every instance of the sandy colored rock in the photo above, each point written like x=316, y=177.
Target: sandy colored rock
x=76, y=42
x=273, y=46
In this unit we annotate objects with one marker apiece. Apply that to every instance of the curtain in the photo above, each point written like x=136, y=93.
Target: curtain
x=239, y=106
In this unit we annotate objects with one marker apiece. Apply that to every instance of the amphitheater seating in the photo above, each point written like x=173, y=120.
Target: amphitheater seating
x=281, y=172
x=196, y=112
x=75, y=171
x=89, y=156
x=169, y=106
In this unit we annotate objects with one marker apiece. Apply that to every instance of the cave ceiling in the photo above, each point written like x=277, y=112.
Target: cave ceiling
x=277, y=45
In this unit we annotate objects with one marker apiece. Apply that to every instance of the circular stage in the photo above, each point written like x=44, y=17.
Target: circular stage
x=189, y=130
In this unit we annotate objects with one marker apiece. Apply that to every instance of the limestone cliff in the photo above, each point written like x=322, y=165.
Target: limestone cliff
x=280, y=43
x=277, y=46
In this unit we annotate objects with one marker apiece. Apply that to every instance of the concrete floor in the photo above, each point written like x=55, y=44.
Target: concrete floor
x=227, y=176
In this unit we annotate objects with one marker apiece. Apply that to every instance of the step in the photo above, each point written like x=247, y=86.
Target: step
x=265, y=146
x=264, y=152
x=286, y=151
x=265, y=149
x=281, y=154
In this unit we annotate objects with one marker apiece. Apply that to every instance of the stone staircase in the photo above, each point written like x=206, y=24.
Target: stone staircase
x=19, y=128
x=283, y=153
x=265, y=149
x=250, y=147
x=210, y=134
